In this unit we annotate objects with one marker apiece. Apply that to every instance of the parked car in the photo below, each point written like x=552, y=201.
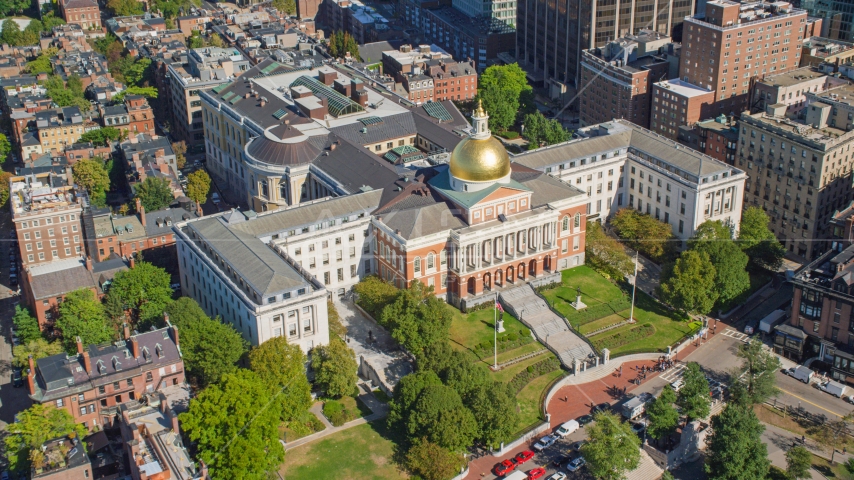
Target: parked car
x=504, y=468
x=215, y=198
x=558, y=476
x=537, y=473
x=17, y=378
x=576, y=464
x=567, y=428
x=849, y=399
x=677, y=385
x=523, y=457
x=577, y=445
x=638, y=427
x=602, y=407
x=561, y=460
x=584, y=419
x=545, y=443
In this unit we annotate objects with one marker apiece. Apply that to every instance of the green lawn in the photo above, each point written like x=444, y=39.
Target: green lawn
x=669, y=327
x=362, y=452
x=603, y=322
x=470, y=329
x=596, y=290
x=530, y=396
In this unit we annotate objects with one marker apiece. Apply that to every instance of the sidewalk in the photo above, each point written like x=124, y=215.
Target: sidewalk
x=779, y=441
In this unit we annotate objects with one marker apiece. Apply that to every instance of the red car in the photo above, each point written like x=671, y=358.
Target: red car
x=504, y=468
x=536, y=473
x=523, y=457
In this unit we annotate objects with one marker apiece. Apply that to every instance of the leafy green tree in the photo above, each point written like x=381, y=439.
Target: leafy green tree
x=196, y=40
x=40, y=65
x=215, y=40
x=145, y=292
x=502, y=89
x=613, y=449
x=689, y=284
x=123, y=8
x=114, y=308
x=849, y=466
x=335, y=368
x=26, y=325
x=102, y=136
x=606, y=255
x=831, y=435
x=148, y=92
x=693, y=398
x=10, y=32
x=374, y=294
x=541, y=131
x=417, y=319
x=440, y=416
x=288, y=7
x=209, y=347
x=82, y=315
x=495, y=409
x=283, y=365
x=132, y=71
x=91, y=175
x=67, y=95
x=757, y=372
x=663, y=416
x=735, y=449
x=5, y=177
x=464, y=376
x=5, y=148
x=406, y=392
x=154, y=193
x=667, y=476
x=180, y=150
x=758, y=241
x=49, y=21
x=643, y=232
x=234, y=425
x=38, y=348
x=340, y=43
x=437, y=357
x=34, y=426
x=798, y=463
x=731, y=278
x=198, y=186
x=430, y=461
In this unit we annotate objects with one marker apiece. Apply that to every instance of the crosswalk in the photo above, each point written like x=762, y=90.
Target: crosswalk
x=735, y=334
x=674, y=373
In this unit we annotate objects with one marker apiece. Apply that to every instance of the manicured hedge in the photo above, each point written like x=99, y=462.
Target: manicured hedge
x=506, y=341
x=533, y=371
x=625, y=337
x=596, y=312
x=336, y=413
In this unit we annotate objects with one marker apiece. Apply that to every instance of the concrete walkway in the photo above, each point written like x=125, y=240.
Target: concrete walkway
x=379, y=410
x=779, y=441
x=550, y=329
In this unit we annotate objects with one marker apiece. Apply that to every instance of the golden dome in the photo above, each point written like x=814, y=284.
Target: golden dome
x=480, y=160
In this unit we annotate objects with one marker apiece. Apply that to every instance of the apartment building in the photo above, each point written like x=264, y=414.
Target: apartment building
x=675, y=104
x=150, y=156
x=59, y=127
x=835, y=18
x=800, y=171
x=426, y=73
x=476, y=39
x=206, y=68
x=791, y=89
x=133, y=116
x=552, y=35
x=92, y=384
x=826, y=53
x=717, y=138
x=64, y=458
x=617, y=80
x=737, y=42
x=621, y=165
x=503, y=11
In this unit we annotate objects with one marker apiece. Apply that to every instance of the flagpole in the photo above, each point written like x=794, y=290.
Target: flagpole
x=495, y=324
x=634, y=287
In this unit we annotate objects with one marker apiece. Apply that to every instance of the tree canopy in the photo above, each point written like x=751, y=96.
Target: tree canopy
x=375, y=294
x=505, y=92
x=102, y=136
x=82, y=315
x=645, y=233
x=430, y=461
x=417, y=318
x=440, y=416
x=288, y=7
x=26, y=325
x=148, y=92
x=757, y=374
x=282, y=366
x=123, y=8
x=605, y=254
x=41, y=64
x=613, y=449
x=495, y=409
x=4, y=187
x=67, y=94
x=91, y=175
x=154, y=193
x=689, y=284
x=198, y=186
x=38, y=348
x=234, y=425
x=541, y=131
x=34, y=426
x=663, y=416
x=735, y=449
x=406, y=392
x=715, y=239
x=758, y=241
x=209, y=347
x=335, y=368
x=798, y=463
x=144, y=290
x=693, y=398
x=341, y=42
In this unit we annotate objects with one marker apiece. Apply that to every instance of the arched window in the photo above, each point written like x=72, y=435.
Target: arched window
x=565, y=224
x=264, y=190
x=577, y=222
x=417, y=264
x=431, y=260
x=443, y=257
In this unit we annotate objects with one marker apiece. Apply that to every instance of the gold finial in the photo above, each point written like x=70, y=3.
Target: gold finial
x=479, y=110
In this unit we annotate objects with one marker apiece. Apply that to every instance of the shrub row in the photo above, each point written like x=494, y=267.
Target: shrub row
x=506, y=341
x=596, y=312
x=304, y=426
x=335, y=412
x=626, y=337
x=533, y=371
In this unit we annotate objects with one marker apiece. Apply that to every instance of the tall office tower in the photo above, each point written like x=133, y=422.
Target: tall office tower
x=737, y=42
x=504, y=11
x=837, y=16
x=552, y=34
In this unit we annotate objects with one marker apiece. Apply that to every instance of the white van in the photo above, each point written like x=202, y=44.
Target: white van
x=517, y=475
x=567, y=428
x=834, y=388
x=801, y=373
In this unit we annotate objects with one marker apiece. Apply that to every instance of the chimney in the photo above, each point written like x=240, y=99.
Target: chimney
x=79, y=345
x=126, y=330
x=174, y=330
x=174, y=419
x=87, y=362
x=141, y=210
x=134, y=347
x=132, y=262
x=31, y=377
x=88, y=263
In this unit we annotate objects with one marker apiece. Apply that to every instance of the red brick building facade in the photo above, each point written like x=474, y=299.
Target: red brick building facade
x=81, y=12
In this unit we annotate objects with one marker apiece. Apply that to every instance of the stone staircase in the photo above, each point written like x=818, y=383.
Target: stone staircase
x=550, y=329
x=647, y=470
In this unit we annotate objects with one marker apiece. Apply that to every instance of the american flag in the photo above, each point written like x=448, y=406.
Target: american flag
x=498, y=306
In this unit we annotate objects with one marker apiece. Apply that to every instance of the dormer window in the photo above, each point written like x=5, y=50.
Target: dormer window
x=158, y=349
x=117, y=365
x=102, y=369
x=146, y=355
